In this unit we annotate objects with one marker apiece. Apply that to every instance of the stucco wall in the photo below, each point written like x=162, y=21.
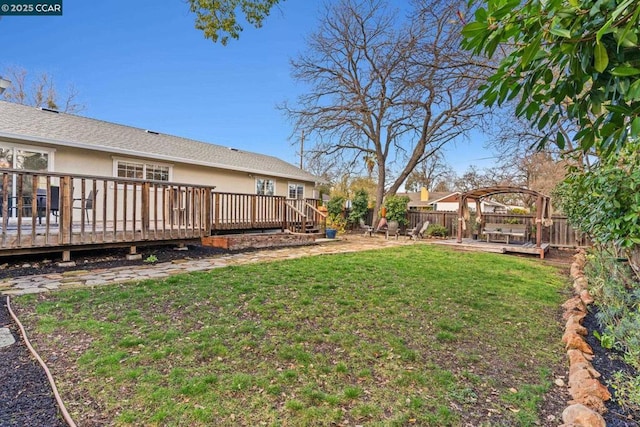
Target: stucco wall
x=88, y=162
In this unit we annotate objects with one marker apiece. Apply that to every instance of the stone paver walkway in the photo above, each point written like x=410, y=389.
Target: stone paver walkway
x=82, y=278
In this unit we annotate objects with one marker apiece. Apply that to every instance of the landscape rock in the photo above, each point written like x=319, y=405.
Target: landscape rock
x=589, y=387
x=586, y=297
x=576, y=356
x=575, y=304
x=580, y=415
x=575, y=367
x=574, y=325
x=576, y=342
x=575, y=271
x=580, y=284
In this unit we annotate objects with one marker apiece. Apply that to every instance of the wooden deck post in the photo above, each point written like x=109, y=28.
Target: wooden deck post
x=145, y=207
x=66, y=216
x=207, y=211
x=461, y=202
x=539, y=222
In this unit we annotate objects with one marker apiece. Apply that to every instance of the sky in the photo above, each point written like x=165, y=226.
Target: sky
x=142, y=64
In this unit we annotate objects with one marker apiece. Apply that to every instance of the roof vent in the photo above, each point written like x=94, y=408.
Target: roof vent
x=51, y=110
x=233, y=149
x=152, y=132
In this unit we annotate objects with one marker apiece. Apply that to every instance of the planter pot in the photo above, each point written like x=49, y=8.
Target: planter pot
x=331, y=233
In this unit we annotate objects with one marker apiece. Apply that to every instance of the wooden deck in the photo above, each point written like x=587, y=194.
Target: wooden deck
x=47, y=212
x=495, y=247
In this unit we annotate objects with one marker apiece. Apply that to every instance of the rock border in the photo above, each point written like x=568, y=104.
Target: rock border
x=587, y=392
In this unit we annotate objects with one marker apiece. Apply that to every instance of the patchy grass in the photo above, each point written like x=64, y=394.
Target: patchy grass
x=410, y=335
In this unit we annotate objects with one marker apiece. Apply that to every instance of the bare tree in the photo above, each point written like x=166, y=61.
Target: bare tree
x=386, y=93
x=39, y=92
x=431, y=173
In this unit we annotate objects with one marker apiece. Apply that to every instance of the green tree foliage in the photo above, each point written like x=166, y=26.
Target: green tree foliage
x=397, y=208
x=218, y=19
x=573, y=58
x=604, y=202
x=359, y=206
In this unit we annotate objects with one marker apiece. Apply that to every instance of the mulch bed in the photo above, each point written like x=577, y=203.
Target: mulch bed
x=29, y=265
x=608, y=362
x=26, y=398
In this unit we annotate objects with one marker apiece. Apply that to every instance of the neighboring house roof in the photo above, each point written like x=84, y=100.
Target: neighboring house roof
x=416, y=202
x=50, y=127
x=441, y=197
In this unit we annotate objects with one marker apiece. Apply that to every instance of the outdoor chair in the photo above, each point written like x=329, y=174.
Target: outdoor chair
x=89, y=203
x=418, y=231
x=393, y=229
x=368, y=229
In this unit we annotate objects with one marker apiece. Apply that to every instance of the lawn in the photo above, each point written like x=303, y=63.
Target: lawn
x=410, y=335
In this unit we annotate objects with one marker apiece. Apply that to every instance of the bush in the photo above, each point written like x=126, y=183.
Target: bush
x=397, y=208
x=435, y=230
x=335, y=206
x=617, y=296
x=335, y=218
x=359, y=207
x=518, y=211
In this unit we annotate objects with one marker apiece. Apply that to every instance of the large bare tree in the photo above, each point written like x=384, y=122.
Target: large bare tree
x=432, y=173
x=385, y=92
x=40, y=91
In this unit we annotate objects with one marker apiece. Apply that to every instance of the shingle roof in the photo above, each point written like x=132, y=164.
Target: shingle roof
x=37, y=125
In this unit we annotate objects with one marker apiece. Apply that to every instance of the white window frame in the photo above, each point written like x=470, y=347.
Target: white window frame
x=50, y=152
x=144, y=164
x=261, y=178
x=297, y=186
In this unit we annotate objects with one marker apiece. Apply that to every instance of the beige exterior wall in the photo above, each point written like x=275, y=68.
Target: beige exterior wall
x=87, y=162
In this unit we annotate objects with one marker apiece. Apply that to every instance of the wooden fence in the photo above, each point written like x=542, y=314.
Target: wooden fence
x=51, y=211
x=559, y=234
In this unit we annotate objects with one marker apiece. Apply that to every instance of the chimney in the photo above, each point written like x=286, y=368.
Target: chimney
x=424, y=194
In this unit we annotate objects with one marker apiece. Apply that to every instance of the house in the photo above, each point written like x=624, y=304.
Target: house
x=46, y=140
x=447, y=202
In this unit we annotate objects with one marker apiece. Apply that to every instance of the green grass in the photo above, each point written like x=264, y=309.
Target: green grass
x=411, y=335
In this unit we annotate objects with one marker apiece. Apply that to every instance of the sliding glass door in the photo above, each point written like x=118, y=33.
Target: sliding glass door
x=22, y=158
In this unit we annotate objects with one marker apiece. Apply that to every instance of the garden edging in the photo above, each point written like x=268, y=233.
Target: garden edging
x=587, y=392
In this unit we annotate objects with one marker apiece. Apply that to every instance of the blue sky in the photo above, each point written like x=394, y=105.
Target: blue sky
x=143, y=64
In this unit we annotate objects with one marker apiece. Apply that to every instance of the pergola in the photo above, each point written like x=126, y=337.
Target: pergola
x=542, y=206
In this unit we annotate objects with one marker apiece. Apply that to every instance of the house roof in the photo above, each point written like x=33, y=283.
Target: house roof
x=439, y=197
x=415, y=198
x=53, y=128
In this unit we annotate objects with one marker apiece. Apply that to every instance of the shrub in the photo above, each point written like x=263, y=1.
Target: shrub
x=335, y=206
x=335, y=217
x=617, y=297
x=397, y=208
x=359, y=206
x=518, y=211
x=436, y=230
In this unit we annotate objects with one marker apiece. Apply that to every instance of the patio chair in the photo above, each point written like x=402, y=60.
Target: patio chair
x=417, y=232
x=393, y=229
x=89, y=202
x=423, y=229
x=368, y=229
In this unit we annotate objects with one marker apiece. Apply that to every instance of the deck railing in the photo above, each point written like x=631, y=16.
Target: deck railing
x=44, y=210
x=559, y=234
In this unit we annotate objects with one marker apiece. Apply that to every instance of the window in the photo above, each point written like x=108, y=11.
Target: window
x=296, y=191
x=265, y=187
x=151, y=171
